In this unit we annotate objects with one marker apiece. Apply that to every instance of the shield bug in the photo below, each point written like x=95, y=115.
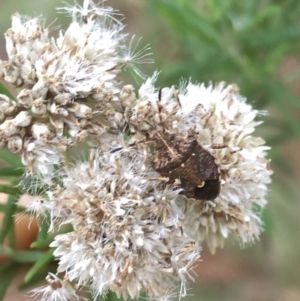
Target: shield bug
x=180, y=158
x=184, y=159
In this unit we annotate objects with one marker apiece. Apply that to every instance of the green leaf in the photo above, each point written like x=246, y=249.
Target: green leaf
x=18, y=209
x=11, y=236
x=275, y=36
x=43, y=233
x=44, y=259
x=8, y=220
x=11, y=172
x=10, y=158
x=191, y=22
x=10, y=190
x=269, y=12
x=7, y=273
x=41, y=243
x=20, y=256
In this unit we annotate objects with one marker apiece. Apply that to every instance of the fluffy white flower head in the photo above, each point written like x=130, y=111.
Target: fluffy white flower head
x=127, y=225
x=70, y=91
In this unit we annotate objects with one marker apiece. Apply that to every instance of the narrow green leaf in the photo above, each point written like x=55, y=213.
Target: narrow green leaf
x=41, y=243
x=20, y=256
x=10, y=190
x=18, y=209
x=6, y=276
x=276, y=35
x=46, y=258
x=191, y=21
x=10, y=158
x=11, y=236
x=269, y=12
x=11, y=172
x=43, y=233
x=8, y=220
x=202, y=25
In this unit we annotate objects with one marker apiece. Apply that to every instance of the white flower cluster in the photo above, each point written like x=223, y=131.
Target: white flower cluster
x=222, y=123
x=141, y=206
x=69, y=84
x=127, y=227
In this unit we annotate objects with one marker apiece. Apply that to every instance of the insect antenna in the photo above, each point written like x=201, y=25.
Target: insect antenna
x=176, y=94
x=159, y=106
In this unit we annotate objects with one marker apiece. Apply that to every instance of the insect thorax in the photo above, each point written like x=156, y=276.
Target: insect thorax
x=183, y=160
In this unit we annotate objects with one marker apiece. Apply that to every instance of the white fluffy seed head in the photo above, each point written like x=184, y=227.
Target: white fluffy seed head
x=131, y=224
x=69, y=83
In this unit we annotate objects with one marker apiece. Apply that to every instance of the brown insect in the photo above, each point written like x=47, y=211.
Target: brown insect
x=184, y=159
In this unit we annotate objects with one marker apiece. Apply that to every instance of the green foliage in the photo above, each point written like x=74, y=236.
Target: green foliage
x=40, y=263
x=10, y=158
x=4, y=91
x=11, y=172
x=21, y=257
x=8, y=220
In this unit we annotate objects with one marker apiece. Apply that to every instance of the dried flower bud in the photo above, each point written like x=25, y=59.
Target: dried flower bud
x=38, y=107
x=15, y=144
x=25, y=98
x=7, y=105
x=81, y=111
x=56, y=289
x=127, y=97
x=8, y=128
x=63, y=99
x=40, y=131
x=23, y=119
